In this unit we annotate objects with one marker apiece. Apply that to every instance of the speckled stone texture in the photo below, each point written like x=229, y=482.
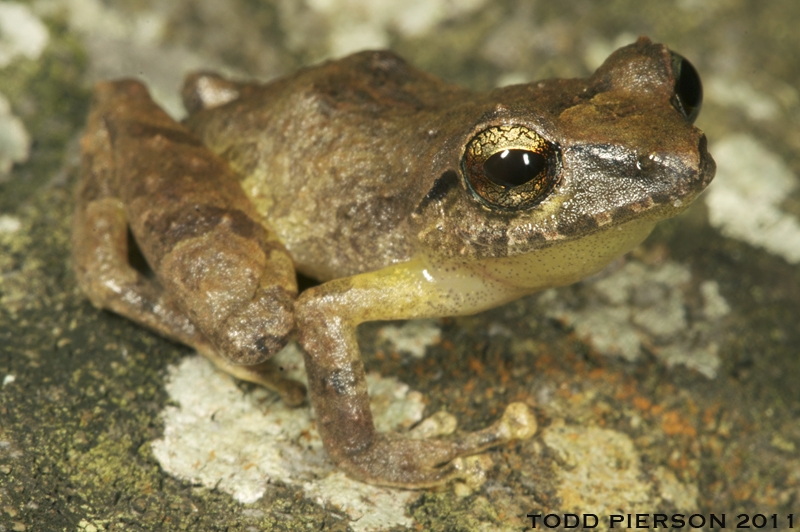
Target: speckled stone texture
x=665, y=384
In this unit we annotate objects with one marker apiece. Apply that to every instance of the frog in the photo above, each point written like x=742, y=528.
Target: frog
x=403, y=196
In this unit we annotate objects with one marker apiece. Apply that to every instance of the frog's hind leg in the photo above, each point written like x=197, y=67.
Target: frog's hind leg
x=100, y=247
x=102, y=262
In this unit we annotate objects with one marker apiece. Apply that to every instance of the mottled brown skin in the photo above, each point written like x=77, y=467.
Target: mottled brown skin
x=351, y=172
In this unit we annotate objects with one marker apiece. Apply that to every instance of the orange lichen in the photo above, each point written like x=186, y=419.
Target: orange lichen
x=673, y=425
x=476, y=366
x=642, y=403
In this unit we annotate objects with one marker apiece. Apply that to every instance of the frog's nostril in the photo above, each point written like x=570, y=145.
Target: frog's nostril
x=646, y=163
x=707, y=165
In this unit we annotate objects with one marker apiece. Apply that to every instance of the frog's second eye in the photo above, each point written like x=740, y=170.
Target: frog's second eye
x=688, y=88
x=511, y=167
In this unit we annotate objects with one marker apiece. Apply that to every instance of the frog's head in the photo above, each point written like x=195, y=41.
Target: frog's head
x=557, y=161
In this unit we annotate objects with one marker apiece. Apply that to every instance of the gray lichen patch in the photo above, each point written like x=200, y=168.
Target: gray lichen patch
x=364, y=24
x=412, y=337
x=745, y=201
x=15, y=142
x=22, y=34
x=734, y=437
x=220, y=437
x=646, y=307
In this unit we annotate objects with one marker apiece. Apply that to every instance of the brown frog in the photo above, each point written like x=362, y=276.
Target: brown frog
x=405, y=196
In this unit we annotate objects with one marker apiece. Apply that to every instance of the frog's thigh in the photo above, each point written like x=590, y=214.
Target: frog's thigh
x=195, y=226
x=101, y=224
x=327, y=316
x=100, y=257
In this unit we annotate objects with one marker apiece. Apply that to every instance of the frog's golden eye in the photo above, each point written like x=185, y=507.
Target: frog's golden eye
x=688, y=88
x=511, y=167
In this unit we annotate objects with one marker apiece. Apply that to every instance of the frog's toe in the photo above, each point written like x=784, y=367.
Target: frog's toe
x=267, y=374
x=518, y=421
x=417, y=461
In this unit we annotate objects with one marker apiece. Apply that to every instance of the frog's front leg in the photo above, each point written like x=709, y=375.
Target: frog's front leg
x=327, y=317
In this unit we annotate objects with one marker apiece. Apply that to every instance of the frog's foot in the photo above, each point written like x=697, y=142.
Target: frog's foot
x=394, y=460
x=266, y=374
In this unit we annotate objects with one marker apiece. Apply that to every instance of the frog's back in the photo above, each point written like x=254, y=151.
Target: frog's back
x=330, y=156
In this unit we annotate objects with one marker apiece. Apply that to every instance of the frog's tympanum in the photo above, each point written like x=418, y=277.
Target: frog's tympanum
x=405, y=196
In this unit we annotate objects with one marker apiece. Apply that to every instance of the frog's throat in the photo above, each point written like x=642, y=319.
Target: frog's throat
x=561, y=264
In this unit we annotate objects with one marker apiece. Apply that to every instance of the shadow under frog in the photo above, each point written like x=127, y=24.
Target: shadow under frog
x=407, y=197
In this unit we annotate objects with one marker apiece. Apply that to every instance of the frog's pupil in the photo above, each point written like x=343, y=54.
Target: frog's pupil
x=512, y=168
